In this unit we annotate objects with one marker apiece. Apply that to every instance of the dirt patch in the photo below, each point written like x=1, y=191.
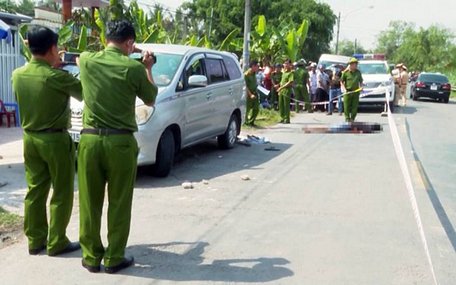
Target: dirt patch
x=10, y=228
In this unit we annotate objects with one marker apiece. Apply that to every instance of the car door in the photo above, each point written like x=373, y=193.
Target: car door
x=197, y=103
x=221, y=93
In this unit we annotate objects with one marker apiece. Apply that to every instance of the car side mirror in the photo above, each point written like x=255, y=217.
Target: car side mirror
x=197, y=81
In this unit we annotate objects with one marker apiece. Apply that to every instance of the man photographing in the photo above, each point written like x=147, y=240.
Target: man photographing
x=108, y=150
x=43, y=94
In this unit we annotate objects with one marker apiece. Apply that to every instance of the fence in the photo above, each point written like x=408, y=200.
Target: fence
x=10, y=59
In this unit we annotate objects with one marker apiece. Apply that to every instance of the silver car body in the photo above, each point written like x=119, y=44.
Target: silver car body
x=378, y=83
x=195, y=114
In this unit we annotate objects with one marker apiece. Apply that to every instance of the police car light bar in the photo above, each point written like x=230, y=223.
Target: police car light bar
x=376, y=56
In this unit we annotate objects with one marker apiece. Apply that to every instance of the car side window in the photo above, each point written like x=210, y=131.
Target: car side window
x=232, y=68
x=216, y=70
x=194, y=67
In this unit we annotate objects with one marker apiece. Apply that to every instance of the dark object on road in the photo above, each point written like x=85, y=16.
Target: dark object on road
x=431, y=85
x=272, y=148
x=344, y=128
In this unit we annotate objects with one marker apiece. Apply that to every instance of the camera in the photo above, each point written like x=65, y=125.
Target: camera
x=140, y=57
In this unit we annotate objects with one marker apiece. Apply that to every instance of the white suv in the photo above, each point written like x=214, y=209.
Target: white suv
x=201, y=96
x=378, y=83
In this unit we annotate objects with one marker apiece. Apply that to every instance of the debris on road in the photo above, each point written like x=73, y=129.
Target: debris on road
x=272, y=148
x=252, y=139
x=245, y=177
x=3, y=184
x=187, y=185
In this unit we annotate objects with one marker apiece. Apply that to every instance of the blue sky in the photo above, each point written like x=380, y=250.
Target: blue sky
x=365, y=19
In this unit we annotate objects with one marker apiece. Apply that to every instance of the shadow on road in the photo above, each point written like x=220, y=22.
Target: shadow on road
x=183, y=261
x=206, y=161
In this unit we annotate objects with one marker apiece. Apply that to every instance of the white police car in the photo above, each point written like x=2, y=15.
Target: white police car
x=378, y=83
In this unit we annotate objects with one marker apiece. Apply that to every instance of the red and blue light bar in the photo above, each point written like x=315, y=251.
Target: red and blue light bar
x=375, y=56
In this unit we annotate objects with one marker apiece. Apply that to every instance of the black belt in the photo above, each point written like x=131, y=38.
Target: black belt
x=49, y=131
x=105, y=132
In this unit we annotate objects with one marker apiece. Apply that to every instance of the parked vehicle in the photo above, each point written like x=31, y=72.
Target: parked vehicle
x=201, y=96
x=333, y=59
x=431, y=85
x=378, y=83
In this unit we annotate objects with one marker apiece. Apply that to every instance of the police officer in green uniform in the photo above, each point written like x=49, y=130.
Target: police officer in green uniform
x=253, y=103
x=43, y=94
x=276, y=77
x=351, y=81
x=301, y=81
x=108, y=150
x=286, y=85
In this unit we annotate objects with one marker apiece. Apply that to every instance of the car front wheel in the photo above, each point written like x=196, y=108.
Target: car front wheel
x=229, y=138
x=165, y=154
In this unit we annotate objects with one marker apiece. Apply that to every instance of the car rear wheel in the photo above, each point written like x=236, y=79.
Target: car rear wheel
x=165, y=155
x=446, y=100
x=229, y=138
x=391, y=106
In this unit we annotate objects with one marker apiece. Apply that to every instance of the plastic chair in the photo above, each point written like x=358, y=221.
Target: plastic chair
x=10, y=115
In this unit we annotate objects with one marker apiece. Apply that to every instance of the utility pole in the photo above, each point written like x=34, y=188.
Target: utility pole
x=246, y=51
x=337, y=38
x=210, y=22
x=356, y=43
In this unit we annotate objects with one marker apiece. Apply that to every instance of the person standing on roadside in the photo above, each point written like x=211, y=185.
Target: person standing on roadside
x=322, y=87
x=285, y=90
x=313, y=83
x=107, y=153
x=403, y=81
x=301, y=79
x=351, y=82
x=334, y=89
x=253, y=103
x=276, y=77
x=43, y=94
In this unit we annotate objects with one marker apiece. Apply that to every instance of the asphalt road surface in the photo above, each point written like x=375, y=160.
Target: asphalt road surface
x=320, y=209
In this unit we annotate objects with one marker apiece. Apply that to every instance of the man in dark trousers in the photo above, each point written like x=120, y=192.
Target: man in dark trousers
x=108, y=150
x=43, y=94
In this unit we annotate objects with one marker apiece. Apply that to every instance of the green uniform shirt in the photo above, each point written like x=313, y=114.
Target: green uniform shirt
x=111, y=81
x=352, y=79
x=43, y=94
x=286, y=77
x=301, y=76
x=250, y=81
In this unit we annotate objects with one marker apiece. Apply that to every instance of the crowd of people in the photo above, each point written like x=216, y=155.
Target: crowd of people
x=300, y=86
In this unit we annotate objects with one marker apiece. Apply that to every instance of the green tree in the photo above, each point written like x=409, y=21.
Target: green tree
x=424, y=49
x=348, y=48
x=26, y=7
x=218, y=18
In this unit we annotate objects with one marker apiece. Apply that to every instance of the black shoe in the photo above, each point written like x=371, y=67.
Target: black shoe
x=90, y=268
x=329, y=113
x=36, y=251
x=126, y=262
x=72, y=246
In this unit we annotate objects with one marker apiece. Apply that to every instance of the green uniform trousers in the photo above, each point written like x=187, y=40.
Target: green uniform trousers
x=301, y=94
x=284, y=107
x=252, y=110
x=351, y=102
x=105, y=160
x=273, y=98
x=49, y=160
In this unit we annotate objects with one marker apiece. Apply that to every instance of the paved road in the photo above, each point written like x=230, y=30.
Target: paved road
x=325, y=209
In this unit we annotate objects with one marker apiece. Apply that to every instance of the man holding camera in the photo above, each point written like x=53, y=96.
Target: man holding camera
x=43, y=94
x=108, y=150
